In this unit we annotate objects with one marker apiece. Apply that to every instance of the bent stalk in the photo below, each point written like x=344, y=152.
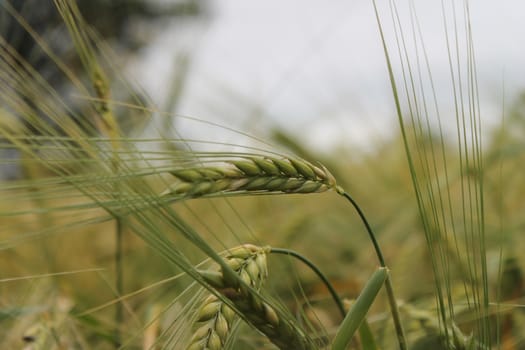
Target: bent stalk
x=388, y=283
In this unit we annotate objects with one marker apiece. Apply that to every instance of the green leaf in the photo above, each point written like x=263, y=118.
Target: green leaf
x=359, y=309
x=367, y=338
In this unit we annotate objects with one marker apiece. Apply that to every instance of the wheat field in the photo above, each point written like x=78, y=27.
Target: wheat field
x=114, y=238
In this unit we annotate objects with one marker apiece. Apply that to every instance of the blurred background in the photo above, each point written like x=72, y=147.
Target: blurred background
x=317, y=70
x=313, y=71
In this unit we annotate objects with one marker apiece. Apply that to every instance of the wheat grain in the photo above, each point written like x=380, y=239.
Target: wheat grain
x=216, y=318
x=251, y=175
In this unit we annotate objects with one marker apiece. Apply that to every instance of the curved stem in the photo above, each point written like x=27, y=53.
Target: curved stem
x=318, y=272
x=388, y=283
x=367, y=225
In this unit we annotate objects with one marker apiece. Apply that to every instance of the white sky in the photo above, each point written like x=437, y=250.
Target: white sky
x=317, y=67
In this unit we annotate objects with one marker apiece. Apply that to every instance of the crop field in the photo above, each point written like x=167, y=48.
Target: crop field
x=118, y=231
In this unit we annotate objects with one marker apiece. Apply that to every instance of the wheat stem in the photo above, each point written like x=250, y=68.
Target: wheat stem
x=319, y=274
x=388, y=283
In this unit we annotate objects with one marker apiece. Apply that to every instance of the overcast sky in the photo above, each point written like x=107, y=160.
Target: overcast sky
x=317, y=67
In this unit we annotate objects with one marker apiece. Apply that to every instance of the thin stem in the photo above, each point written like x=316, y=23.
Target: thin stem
x=318, y=272
x=388, y=283
x=119, y=285
x=379, y=253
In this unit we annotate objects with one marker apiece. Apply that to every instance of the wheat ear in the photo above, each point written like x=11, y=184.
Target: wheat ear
x=251, y=175
x=215, y=317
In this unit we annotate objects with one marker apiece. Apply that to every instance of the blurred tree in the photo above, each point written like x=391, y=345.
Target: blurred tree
x=114, y=20
x=127, y=25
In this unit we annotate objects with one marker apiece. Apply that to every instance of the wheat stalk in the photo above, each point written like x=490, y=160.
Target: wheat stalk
x=215, y=318
x=251, y=175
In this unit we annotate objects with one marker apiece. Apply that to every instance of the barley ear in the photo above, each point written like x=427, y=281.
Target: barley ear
x=215, y=318
x=251, y=175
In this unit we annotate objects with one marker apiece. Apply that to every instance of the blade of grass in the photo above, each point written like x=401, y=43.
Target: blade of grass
x=367, y=337
x=359, y=309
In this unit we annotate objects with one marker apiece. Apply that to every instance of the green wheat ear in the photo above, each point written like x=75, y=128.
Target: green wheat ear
x=215, y=319
x=251, y=175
